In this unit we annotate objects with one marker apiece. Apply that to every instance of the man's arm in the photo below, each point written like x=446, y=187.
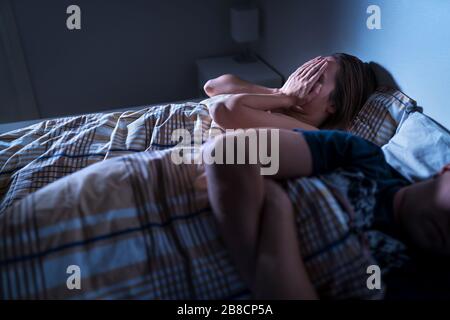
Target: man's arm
x=231, y=84
x=307, y=153
x=286, y=147
x=256, y=218
x=280, y=272
x=226, y=182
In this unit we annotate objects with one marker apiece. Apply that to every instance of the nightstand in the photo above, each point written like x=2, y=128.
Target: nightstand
x=257, y=72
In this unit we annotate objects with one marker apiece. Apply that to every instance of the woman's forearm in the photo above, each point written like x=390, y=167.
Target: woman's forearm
x=250, y=111
x=230, y=84
x=264, y=102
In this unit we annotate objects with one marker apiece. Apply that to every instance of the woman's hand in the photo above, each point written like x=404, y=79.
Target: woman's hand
x=303, y=83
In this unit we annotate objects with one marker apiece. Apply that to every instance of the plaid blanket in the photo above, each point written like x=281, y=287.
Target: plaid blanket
x=131, y=221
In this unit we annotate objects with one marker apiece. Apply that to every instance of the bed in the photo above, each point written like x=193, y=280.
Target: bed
x=101, y=193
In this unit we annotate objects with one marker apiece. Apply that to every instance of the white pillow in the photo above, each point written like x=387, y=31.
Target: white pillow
x=419, y=149
x=397, y=102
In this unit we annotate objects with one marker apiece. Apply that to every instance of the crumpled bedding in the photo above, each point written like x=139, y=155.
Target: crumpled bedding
x=100, y=192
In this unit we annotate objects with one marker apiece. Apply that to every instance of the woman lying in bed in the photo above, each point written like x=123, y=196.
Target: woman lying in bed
x=326, y=92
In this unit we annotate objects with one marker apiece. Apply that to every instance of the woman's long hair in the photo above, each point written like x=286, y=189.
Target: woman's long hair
x=355, y=82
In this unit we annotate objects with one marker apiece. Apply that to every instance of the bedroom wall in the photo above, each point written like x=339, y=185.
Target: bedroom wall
x=413, y=44
x=7, y=96
x=127, y=52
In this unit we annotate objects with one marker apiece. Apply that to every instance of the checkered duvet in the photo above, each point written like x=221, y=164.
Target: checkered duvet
x=132, y=220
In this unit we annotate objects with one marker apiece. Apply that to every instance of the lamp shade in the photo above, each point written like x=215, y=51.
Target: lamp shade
x=244, y=24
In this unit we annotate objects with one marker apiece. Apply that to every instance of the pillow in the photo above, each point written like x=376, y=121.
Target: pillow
x=378, y=119
x=419, y=149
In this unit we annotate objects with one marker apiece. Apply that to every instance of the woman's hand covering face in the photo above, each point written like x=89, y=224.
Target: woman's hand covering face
x=303, y=83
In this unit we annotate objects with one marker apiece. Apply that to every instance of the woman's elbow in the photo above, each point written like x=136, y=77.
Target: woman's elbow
x=218, y=85
x=209, y=88
x=218, y=112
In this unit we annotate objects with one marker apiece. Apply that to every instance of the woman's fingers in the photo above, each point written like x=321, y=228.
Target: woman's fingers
x=316, y=59
x=311, y=66
x=302, y=80
x=306, y=65
x=297, y=73
x=316, y=76
x=315, y=69
x=312, y=61
x=311, y=95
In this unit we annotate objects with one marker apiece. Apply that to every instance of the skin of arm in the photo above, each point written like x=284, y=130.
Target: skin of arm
x=278, y=250
x=231, y=84
x=256, y=219
x=241, y=111
x=248, y=105
x=422, y=211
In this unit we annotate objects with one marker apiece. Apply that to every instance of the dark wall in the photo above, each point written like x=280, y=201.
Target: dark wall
x=127, y=52
x=7, y=96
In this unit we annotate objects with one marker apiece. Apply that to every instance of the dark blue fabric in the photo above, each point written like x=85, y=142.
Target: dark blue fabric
x=332, y=149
